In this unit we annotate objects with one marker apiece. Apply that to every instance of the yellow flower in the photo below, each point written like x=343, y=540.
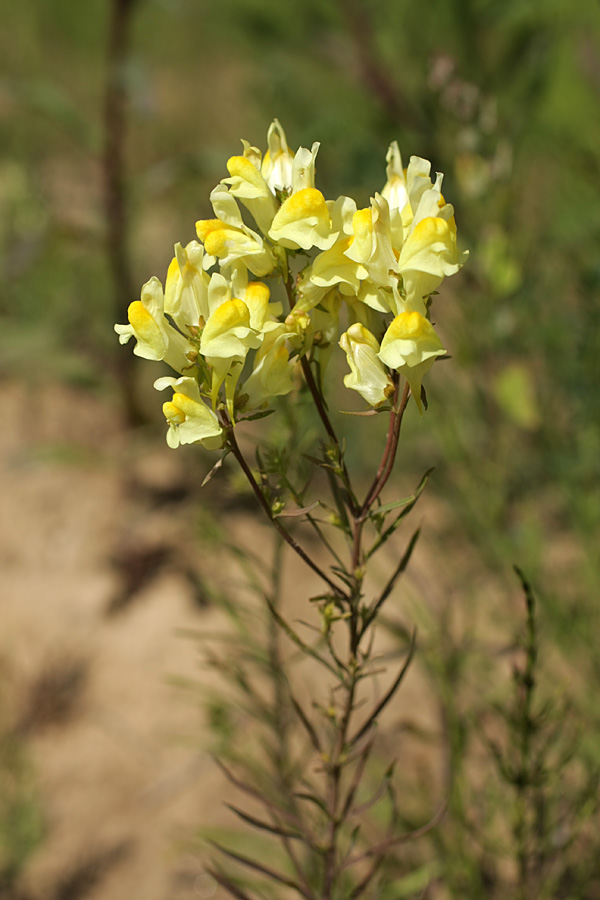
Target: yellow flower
x=333, y=267
x=427, y=256
x=225, y=341
x=411, y=346
x=256, y=295
x=155, y=336
x=367, y=375
x=189, y=419
x=303, y=221
x=395, y=189
x=227, y=332
x=249, y=186
x=186, y=287
x=278, y=161
x=372, y=244
x=272, y=375
x=227, y=238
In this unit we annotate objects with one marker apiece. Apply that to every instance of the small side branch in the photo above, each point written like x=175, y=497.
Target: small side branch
x=285, y=534
x=116, y=108
x=388, y=695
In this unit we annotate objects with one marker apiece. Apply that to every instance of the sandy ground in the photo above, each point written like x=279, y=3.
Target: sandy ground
x=98, y=576
x=92, y=597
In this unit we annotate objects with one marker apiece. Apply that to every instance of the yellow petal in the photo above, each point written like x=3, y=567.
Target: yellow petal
x=144, y=326
x=172, y=413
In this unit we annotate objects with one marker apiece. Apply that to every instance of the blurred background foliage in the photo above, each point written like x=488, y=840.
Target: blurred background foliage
x=502, y=97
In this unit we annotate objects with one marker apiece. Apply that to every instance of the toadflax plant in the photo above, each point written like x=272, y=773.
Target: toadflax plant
x=361, y=280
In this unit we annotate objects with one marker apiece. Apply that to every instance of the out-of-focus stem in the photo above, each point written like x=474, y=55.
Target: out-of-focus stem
x=526, y=728
x=334, y=784
x=375, y=76
x=280, y=707
x=115, y=186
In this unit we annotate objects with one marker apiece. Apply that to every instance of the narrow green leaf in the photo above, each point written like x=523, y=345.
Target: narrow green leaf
x=296, y=512
x=404, y=512
x=215, y=468
x=388, y=507
x=261, y=414
x=366, y=412
x=296, y=639
x=261, y=824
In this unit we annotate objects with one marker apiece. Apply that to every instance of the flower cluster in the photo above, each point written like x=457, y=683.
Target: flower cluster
x=233, y=349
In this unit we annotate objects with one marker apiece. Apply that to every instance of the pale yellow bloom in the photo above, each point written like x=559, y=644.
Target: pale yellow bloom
x=428, y=255
x=333, y=267
x=303, y=168
x=411, y=346
x=367, y=375
x=422, y=229
x=418, y=180
x=272, y=375
x=156, y=338
x=225, y=341
x=372, y=245
x=248, y=185
x=189, y=419
x=256, y=295
x=303, y=220
x=227, y=332
x=227, y=238
x=395, y=189
x=376, y=296
x=186, y=287
x=278, y=160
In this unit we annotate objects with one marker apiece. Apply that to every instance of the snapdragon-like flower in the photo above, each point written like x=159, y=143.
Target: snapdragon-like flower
x=278, y=161
x=303, y=220
x=186, y=287
x=156, y=339
x=367, y=374
x=272, y=375
x=229, y=239
x=372, y=245
x=429, y=252
x=369, y=273
x=190, y=420
x=395, y=189
x=411, y=346
x=249, y=186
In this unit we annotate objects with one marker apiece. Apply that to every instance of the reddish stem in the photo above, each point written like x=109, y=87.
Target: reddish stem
x=383, y=472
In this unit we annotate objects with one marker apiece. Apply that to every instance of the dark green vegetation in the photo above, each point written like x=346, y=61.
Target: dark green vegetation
x=503, y=98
